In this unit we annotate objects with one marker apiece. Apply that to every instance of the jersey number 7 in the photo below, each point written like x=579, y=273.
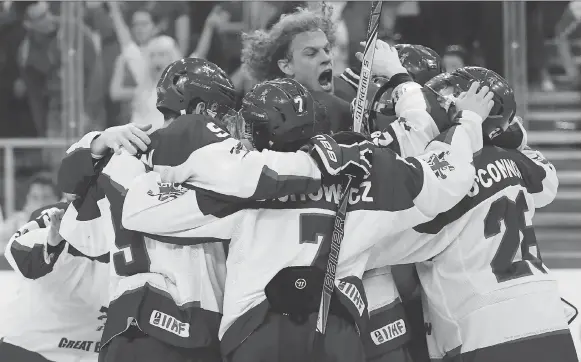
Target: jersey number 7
x=513, y=215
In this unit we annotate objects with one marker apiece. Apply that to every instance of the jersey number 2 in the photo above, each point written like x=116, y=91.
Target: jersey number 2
x=513, y=215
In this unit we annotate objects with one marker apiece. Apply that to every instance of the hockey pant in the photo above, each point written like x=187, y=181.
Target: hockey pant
x=282, y=339
x=388, y=334
x=12, y=353
x=135, y=346
x=550, y=347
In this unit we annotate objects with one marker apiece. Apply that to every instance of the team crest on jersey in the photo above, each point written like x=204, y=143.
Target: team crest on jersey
x=168, y=191
x=404, y=123
x=238, y=149
x=440, y=165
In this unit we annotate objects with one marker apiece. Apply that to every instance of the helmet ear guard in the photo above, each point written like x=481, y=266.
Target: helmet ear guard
x=186, y=83
x=281, y=115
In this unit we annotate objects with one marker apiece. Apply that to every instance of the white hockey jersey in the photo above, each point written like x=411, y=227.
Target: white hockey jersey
x=60, y=307
x=461, y=291
x=408, y=135
x=488, y=279
x=172, y=288
x=295, y=230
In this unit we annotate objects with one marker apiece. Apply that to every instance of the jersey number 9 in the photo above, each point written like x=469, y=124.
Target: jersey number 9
x=128, y=241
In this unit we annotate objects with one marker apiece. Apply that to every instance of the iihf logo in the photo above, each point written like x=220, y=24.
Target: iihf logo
x=300, y=283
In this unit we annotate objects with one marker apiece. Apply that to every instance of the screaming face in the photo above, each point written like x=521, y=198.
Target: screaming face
x=310, y=61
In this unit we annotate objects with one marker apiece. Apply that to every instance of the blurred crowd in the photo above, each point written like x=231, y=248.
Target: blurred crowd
x=127, y=44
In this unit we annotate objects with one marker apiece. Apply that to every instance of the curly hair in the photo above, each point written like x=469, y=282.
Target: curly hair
x=262, y=49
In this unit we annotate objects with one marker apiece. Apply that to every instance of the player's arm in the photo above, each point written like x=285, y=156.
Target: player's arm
x=414, y=127
x=424, y=187
x=539, y=176
x=178, y=213
x=84, y=159
x=78, y=167
x=165, y=212
x=34, y=249
x=444, y=173
x=198, y=151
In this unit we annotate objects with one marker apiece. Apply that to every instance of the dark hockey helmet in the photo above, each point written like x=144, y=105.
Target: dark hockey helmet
x=447, y=86
x=281, y=115
x=187, y=82
x=422, y=64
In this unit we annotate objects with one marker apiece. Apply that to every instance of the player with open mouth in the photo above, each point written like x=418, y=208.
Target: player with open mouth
x=298, y=46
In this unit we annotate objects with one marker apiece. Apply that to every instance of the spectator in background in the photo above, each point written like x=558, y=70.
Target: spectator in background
x=171, y=19
x=97, y=19
x=454, y=57
x=15, y=119
x=160, y=52
x=129, y=65
x=213, y=23
x=138, y=67
x=42, y=191
x=40, y=63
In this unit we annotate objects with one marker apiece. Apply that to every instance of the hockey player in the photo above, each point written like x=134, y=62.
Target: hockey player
x=299, y=46
x=412, y=127
x=270, y=306
x=59, y=311
x=166, y=294
x=488, y=280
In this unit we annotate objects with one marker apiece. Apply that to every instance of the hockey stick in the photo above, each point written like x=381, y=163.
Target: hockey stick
x=359, y=112
x=339, y=226
x=329, y=279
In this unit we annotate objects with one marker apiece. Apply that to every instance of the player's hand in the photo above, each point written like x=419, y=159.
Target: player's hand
x=346, y=153
x=52, y=219
x=130, y=136
x=514, y=137
x=477, y=101
x=217, y=18
x=385, y=60
x=381, y=139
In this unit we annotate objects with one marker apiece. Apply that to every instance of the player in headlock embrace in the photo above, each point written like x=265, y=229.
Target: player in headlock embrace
x=279, y=247
x=487, y=294
x=166, y=293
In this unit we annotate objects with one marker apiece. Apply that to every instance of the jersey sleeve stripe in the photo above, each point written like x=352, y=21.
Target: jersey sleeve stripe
x=31, y=262
x=271, y=184
x=104, y=259
x=77, y=168
x=186, y=241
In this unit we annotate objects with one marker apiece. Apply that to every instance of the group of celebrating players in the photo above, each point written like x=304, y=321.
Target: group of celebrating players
x=210, y=239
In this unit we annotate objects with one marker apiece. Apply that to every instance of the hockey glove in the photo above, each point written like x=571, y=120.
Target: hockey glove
x=346, y=153
x=514, y=137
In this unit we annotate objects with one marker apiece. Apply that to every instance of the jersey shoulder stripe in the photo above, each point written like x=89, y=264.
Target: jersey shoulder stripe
x=496, y=169
x=172, y=145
